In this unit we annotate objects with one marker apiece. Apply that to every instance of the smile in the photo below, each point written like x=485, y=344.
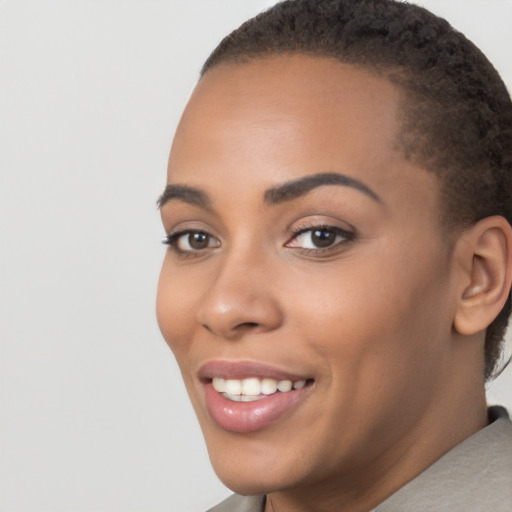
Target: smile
x=253, y=388
x=248, y=396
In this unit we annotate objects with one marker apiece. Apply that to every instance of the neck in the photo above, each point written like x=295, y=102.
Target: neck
x=460, y=412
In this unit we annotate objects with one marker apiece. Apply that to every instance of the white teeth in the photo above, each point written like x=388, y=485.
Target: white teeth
x=234, y=387
x=247, y=390
x=268, y=386
x=242, y=398
x=219, y=384
x=251, y=387
x=235, y=398
x=284, y=385
x=247, y=398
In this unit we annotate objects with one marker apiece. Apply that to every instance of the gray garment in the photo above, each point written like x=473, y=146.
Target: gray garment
x=237, y=503
x=475, y=476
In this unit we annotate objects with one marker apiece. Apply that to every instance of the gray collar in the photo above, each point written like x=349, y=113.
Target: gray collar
x=475, y=476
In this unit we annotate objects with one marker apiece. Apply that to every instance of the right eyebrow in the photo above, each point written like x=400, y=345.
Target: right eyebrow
x=184, y=193
x=300, y=187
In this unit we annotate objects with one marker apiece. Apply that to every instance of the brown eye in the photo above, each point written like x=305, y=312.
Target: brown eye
x=198, y=241
x=322, y=237
x=191, y=241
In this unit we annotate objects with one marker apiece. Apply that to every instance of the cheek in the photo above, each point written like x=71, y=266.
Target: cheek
x=377, y=314
x=174, y=310
x=374, y=331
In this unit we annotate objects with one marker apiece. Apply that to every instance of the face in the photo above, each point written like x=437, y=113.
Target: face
x=305, y=253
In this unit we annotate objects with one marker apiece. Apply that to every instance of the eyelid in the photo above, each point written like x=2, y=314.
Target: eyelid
x=173, y=237
x=179, y=225
x=347, y=237
x=320, y=227
x=321, y=222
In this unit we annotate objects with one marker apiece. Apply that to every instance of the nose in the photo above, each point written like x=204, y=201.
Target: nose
x=241, y=300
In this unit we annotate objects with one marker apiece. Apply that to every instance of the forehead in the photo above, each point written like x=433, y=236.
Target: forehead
x=276, y=119
x=271, y=107
x=315, y=102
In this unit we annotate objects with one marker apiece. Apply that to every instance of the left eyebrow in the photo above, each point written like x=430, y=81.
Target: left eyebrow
x=190, y=195
x=300, y=187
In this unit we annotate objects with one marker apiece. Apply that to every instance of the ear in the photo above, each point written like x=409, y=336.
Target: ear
x=484, y=254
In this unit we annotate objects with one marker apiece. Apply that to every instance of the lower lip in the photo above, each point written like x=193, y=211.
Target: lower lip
x=250, y=416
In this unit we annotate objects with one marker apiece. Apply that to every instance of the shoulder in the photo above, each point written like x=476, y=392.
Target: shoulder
x=475, y=475
x=237, y=503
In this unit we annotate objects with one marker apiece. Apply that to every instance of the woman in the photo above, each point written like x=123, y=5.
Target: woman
x=337, y=284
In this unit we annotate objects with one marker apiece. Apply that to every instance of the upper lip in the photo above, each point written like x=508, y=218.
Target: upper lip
x=244, y=369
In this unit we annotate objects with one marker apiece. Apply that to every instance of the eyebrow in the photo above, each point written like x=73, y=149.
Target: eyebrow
x=273, y=196
x=184, y=193
x=300, y=187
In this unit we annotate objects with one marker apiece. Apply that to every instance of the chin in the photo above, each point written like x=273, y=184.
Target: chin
x=250, y=483
x=254, y=464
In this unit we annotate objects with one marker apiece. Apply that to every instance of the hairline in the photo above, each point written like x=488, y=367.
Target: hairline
x=397, y=76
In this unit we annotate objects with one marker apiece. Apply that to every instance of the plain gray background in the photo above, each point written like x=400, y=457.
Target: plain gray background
x=93, y=413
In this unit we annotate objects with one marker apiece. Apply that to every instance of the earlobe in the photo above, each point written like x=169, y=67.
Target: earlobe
x=484, y=254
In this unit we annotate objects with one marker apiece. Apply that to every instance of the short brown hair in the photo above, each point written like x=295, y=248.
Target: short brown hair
x=457, y=111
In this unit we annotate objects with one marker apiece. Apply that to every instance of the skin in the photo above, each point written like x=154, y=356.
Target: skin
x=371, y=319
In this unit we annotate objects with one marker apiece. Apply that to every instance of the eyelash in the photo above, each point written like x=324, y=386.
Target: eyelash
x=347, y=236
x=173, y=239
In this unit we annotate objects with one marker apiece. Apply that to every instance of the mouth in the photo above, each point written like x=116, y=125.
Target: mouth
x=245, y=397
x=254, y=388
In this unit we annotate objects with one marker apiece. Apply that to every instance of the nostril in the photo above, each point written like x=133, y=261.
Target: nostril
x=241, y=326
x=247, y=325
x=236, y=331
